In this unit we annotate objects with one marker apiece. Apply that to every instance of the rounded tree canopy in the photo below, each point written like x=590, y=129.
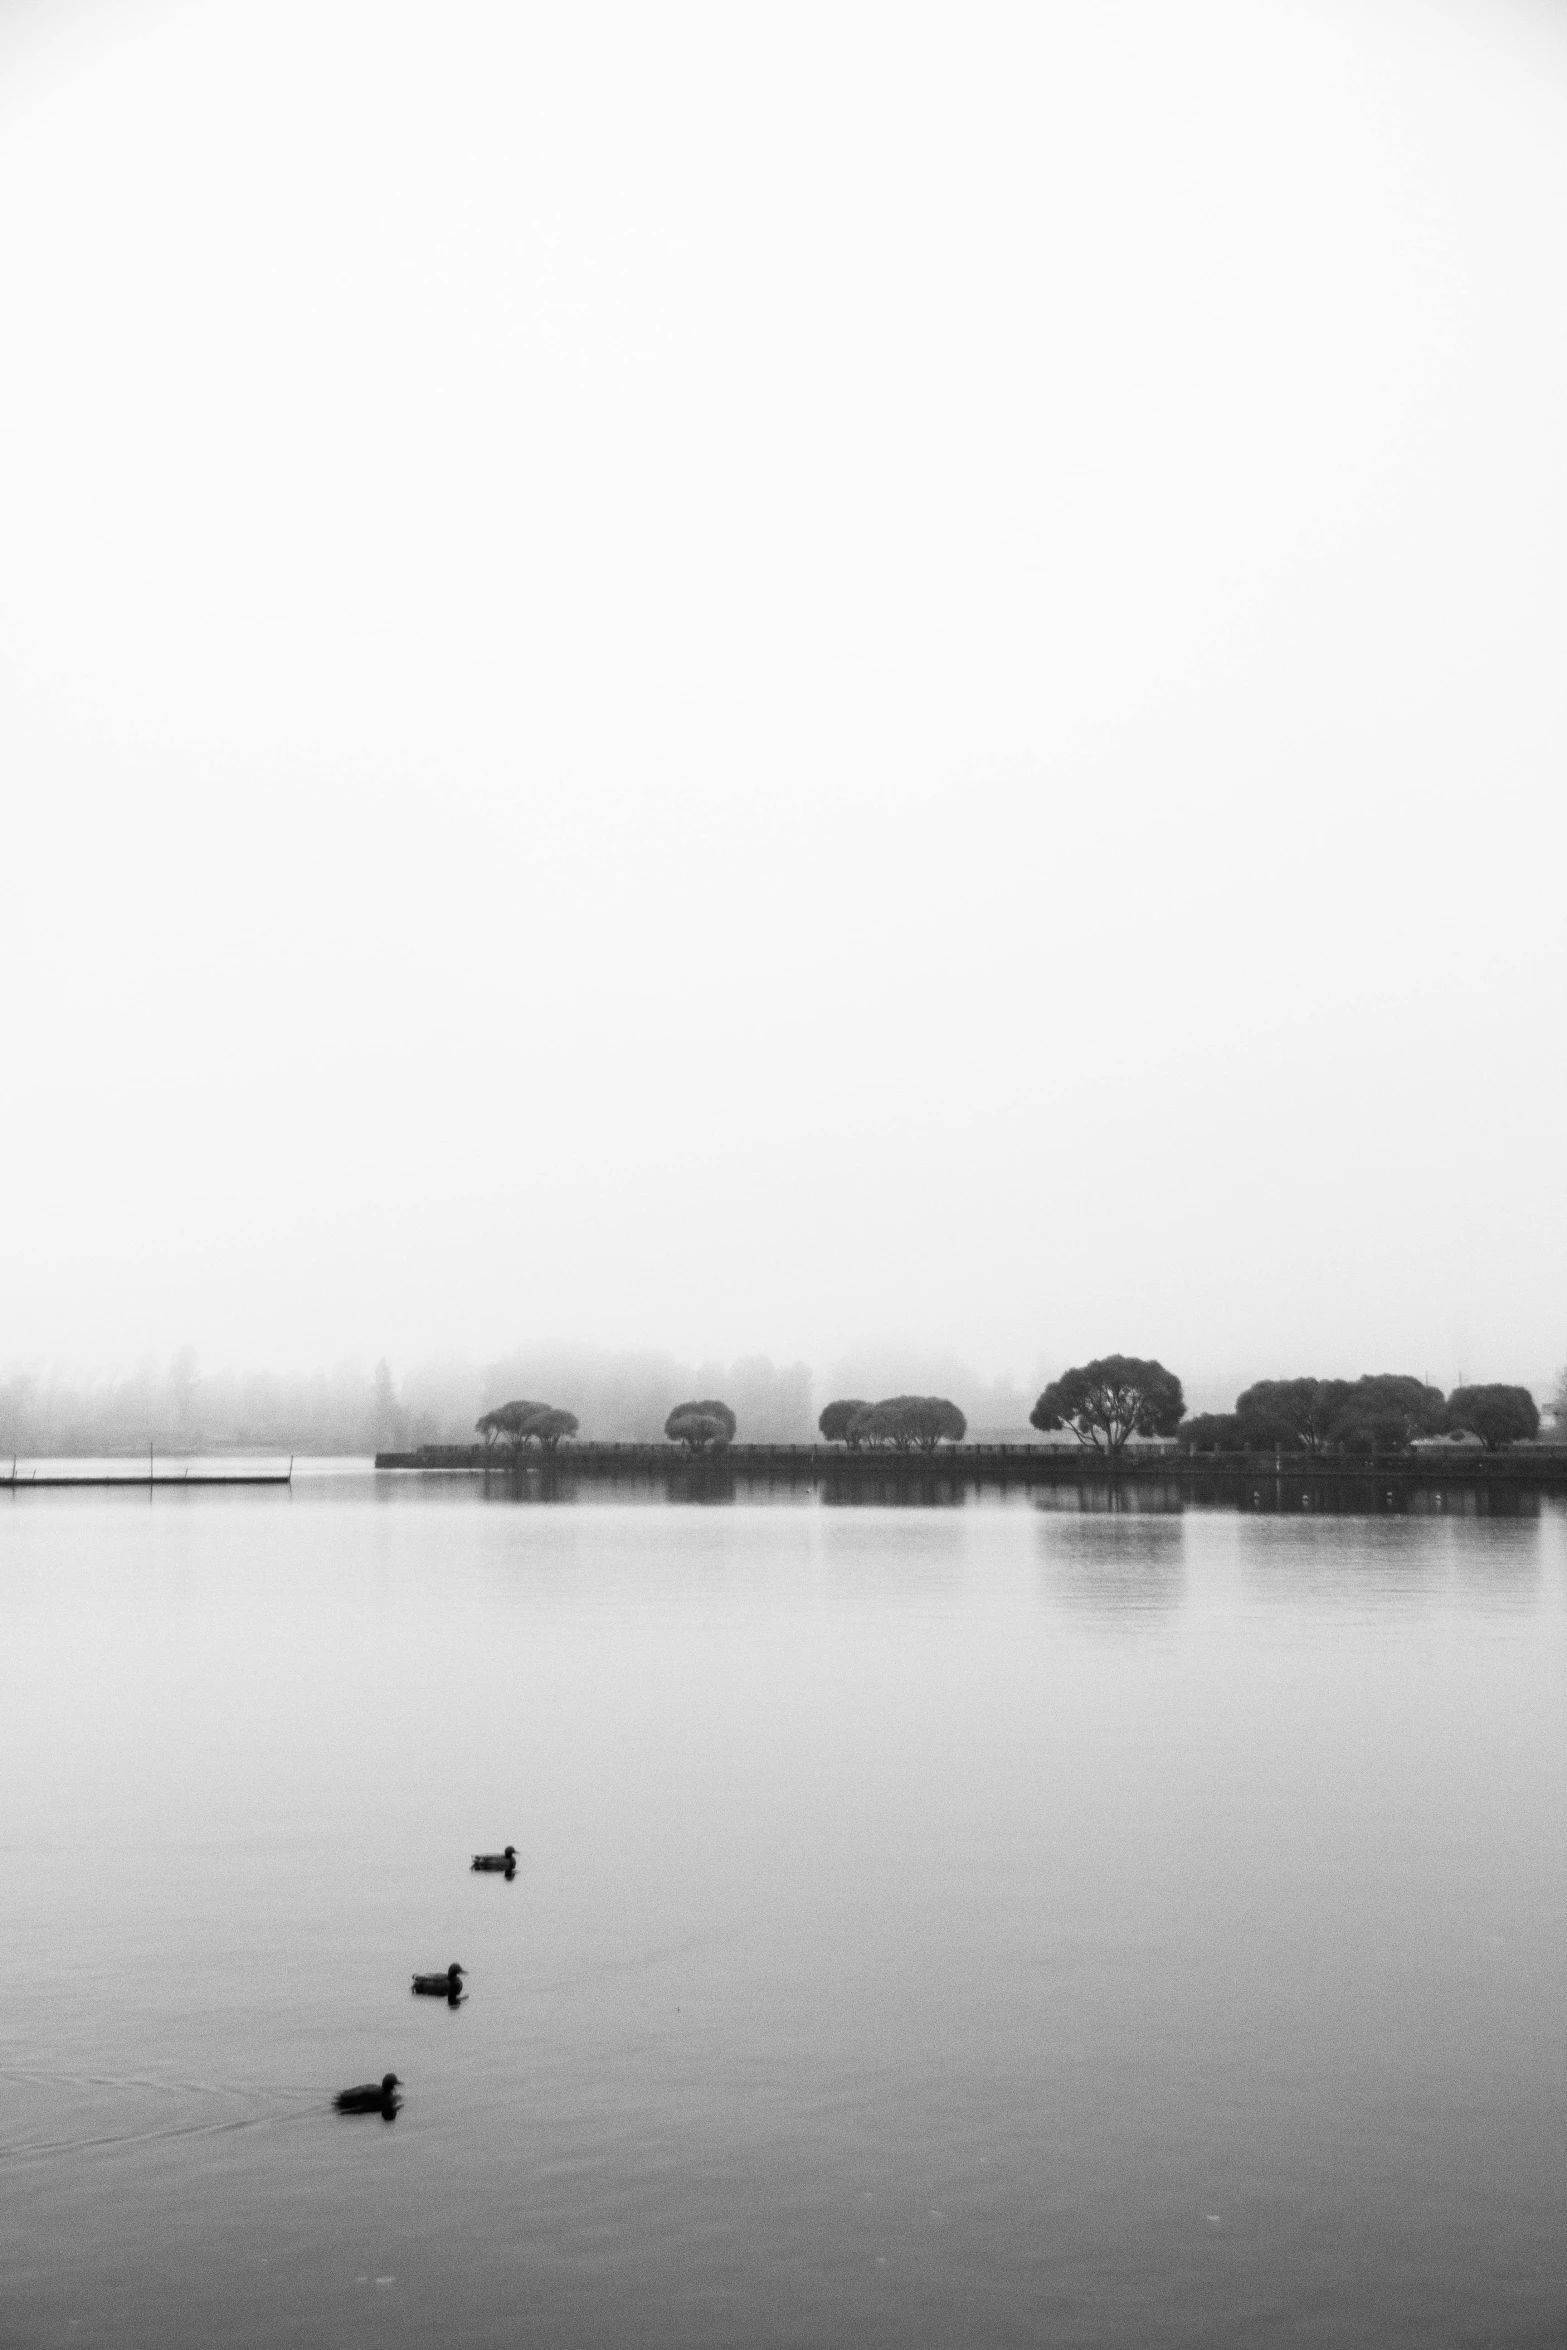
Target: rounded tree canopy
x=836, y=1419
x=706, y=1425
x=1214, y=1432
x=1294, y=1413
x=509, y=1420
x=909, y=1420
x=1386, y=1411
x=549, y=1426
x=1106, y=1401
x=1497, y=1415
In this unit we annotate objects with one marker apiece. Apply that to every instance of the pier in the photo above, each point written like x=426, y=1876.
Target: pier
x=57, y=1476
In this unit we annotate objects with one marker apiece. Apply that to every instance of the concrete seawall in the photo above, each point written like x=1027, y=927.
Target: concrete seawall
x=1533, y=1469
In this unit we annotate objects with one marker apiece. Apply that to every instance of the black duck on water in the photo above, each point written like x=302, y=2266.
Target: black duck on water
x=447, y=1986
x=371, y=2097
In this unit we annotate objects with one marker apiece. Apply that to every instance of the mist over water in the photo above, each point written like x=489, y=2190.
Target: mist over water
x=775, y=706
x=618, y=1396
x=991, y=1922
x=756, y=684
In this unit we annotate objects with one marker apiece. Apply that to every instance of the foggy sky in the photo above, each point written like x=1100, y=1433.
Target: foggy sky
x=785, y=681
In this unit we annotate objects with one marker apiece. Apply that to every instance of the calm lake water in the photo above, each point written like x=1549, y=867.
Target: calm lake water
x=975, y=1925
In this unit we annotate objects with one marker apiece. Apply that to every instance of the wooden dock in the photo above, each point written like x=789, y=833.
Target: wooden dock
x=57, y=1480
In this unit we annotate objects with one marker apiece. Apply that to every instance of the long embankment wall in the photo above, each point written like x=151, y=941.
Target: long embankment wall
x=1534, y=1468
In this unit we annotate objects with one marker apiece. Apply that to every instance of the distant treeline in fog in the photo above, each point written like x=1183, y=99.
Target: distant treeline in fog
x=617, y=1396
x=180, y=1407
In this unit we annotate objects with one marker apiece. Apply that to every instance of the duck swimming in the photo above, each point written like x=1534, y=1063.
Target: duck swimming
x=506, y=1860
x=371, y=2097
x=447, y=1986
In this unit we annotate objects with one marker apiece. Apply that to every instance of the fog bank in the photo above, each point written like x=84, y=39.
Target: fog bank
x=617, y=1397
x=716, y=678
x=352, y=1408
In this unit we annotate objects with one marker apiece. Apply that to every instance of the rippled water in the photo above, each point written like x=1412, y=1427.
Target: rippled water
x=977, y=1925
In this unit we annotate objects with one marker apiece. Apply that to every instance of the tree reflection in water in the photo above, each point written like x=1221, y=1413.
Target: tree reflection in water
x=1119, y=1561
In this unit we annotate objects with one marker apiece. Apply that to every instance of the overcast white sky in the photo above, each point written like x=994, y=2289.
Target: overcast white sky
x=752, y=678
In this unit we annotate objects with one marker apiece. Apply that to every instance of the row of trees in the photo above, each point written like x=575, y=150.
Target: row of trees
x=1105, y=1403
x=1383, y=1413
x=706, y=1425
x=522, y=1422
x=901, y=1423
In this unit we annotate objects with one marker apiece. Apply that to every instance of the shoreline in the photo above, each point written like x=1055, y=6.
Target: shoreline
x=1543, y=1469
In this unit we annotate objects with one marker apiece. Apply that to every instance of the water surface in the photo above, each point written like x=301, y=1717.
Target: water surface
x=988, y=1924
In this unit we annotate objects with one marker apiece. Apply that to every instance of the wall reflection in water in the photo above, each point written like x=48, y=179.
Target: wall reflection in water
x=1100, y=1500
x=1505, y=1568
x=1389, y=1564
x=905, y=1485
x=1298, y=1493
x=898, y=1490
x=699, y=1483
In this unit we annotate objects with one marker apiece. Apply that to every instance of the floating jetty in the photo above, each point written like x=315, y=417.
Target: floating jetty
x=60, y=1476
